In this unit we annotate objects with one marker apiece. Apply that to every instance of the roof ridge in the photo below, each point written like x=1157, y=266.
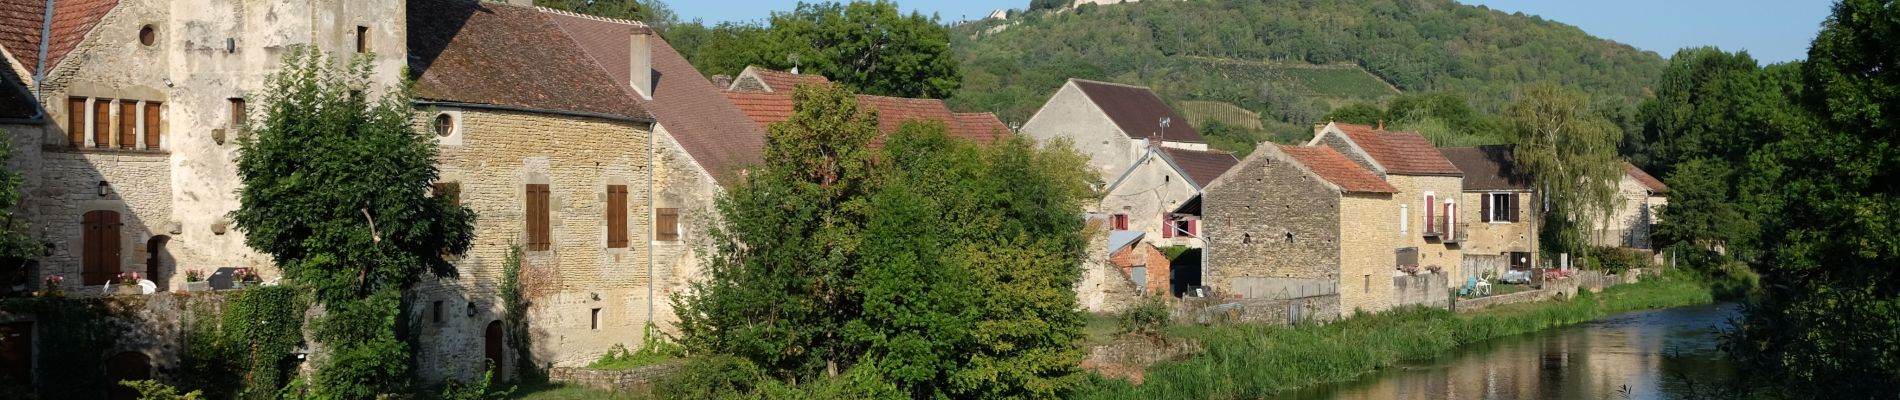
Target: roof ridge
x=586, y=16
x=1112, y=84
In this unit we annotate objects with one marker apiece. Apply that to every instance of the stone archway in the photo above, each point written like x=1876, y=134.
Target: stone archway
x=492, y=346
x=126, y=366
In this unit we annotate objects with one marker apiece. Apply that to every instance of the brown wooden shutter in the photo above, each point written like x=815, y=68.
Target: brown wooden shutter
x=100, y=259
x=1484, y=207
x=538, y=231
x=102, y=123
x=151, y=125
x=128, y=124
x=1512, y=208
x=666, y=224
x=617, y=216
x=452, y=190
x=76, y=121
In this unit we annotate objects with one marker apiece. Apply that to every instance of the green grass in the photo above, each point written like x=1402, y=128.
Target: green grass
x=555, y=391
x=1100, y=329
x=1253, y=361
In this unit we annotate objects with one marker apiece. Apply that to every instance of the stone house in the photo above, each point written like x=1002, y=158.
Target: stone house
x=1429, y=189
x=1640, y=196
x=764, y=80
x=1296, y=222
x=1145, y=197
x=1113, y=124
x=1503, y=233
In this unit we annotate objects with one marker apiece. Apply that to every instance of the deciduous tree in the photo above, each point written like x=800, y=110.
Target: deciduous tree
x=1570, y=153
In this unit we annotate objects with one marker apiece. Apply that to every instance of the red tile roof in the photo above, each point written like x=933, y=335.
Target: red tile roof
x=1138, y=112
x=22, y=20
x=1335, y=168
x=1201, y=166
x=721, y=138
x=1401, y=153
x=892, y=112
x=982, y=127
x=781, y=81
x=497, y=54
x=1655, y=185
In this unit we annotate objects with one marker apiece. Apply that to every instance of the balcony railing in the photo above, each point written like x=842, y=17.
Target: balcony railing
x=1442, y=228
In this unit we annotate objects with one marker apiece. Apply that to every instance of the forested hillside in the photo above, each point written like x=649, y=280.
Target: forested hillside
x=1293, y=61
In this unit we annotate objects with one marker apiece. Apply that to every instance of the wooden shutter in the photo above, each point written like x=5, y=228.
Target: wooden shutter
x=1511, y=208
x=1484, y=207
x=1194, y=227
x=76, y=121
x=102, y=123
x=128, y=124
x=1167, y=226
x=151, y=125
x=617, y=216
x=1429, y=201
x=538, y=231
x=666, y=224
x=101, y=255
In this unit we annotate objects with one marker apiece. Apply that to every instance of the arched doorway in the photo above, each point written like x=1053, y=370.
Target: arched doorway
x=155, y=262
x=126, y=366
x=101, y=254
x=492, y=346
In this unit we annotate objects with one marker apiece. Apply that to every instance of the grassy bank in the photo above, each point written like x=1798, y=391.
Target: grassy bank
x=1252, y=361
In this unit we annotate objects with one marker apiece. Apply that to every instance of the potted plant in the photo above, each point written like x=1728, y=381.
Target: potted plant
x=195, y=281
x=128, y=284
x=243, y=277
x=52, y=286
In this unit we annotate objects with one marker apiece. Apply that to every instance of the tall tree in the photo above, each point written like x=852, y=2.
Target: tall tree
x=337, y=192
x=1827, y=320
x=1569, y=152
x=868, y=46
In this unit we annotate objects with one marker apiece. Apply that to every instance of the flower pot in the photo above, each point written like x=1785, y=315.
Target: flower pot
x=199, y=286
x=125, y=290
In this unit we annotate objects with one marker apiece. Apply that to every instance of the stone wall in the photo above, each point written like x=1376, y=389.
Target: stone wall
x=1553, y=289
x=679, y=182
x=1070, y=115
x=585, y=296
x=634, y=382
x=154, y=326
x=1273, y=311
x=1148, y=192
x=1367, y=249
x=1269, y=218
x=1487, y=243
x=1425, y=289
x=1412, y=192
x=1103, y=287
x=1631, y=221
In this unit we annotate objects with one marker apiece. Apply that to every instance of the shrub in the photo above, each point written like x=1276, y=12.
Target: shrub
x=1146, y=318
x=1615, y=260
x=153, y=390
x=712, y=377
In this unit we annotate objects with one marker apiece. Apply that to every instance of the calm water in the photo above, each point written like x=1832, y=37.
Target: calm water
x=1653, y=354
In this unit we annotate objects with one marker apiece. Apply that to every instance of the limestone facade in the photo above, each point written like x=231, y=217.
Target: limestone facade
x=1490, y=244
x=586, y=295
x=1273, y=229
x=1070, y=115
x=1146, y=192
x=1366, y=252
x=683, y=186
x=1434, y=248
x=171, y=192
x=1633, y=219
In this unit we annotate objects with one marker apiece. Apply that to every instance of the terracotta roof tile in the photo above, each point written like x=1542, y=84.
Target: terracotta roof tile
x=1655, y=185
x=1402, y=153
x=1487, y=167
x=984, y=128
x=22, y=20
x=892, y=112
x=1201, y=166
x=781, y=81
x=763, y=108
x=1335, y=168
x=497, y=54
x=720, y=137
x=1138, y=111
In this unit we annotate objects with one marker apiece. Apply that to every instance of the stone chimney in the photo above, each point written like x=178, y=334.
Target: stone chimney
x=723, y=81
x=640, y=61
x=523, y=3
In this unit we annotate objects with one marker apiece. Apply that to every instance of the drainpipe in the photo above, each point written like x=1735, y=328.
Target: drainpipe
x=46, y=34
x=653, y=132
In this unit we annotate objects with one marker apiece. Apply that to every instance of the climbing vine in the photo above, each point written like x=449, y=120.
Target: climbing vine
x=247, y=352
x=514, y=317
x=73, y=335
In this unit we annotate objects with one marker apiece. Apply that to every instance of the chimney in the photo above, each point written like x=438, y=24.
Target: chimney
x=523, y=3
x=1318, y=127
x=723, y=81
x=640, y=61
x=1382, y=124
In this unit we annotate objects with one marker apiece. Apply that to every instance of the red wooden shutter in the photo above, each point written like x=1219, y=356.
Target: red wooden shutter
x=128, y=124
x=1429, y=202
x=1167, y=226
x=76, y=121
x=102, y=123
x=151, y=125
x=617, y=216
x=538, y=231
x=1194, y=227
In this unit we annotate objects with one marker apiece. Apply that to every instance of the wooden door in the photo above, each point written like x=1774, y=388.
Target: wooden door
x=127, y=366
x=16, y=354
x=101, y=253
x=492, y=346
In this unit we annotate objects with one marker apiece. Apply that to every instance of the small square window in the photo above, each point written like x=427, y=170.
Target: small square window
x=237, y=113
x=362, y=39
x=594, y=322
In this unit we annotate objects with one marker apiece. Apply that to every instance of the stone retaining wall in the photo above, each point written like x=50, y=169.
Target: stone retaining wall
x=632, y=381
x=1555, y=288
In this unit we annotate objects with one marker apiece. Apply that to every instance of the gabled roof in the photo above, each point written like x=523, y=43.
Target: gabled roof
x=488, y=53
x=775, y=80
x=21, y=22
x=1654, y=185
x=1138, y=112
x=1490, y=167
x=693, y=111
x=1120, y=239
x=1400, y=153
x=982, y=127
x=1332, y=166
x=1200, y=166
x=766, y=109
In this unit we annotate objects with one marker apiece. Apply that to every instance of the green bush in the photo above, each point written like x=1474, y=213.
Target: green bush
x=153, y=390
x=718, y=376
x=1146, y=318
x=1615, y=260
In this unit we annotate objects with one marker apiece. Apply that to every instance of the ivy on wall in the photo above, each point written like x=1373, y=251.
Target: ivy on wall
x=514, y=318
x=248, y=351
x=73, y=335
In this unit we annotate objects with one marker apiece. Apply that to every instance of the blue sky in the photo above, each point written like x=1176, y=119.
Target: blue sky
x=1771, y=30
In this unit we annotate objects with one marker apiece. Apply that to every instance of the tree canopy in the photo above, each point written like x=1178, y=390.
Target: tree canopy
x=868, y=46
x=1570, y=153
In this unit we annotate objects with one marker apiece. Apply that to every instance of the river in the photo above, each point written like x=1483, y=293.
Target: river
x=1654, y=354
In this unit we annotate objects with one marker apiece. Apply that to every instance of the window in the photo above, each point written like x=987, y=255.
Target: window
x=1183, y=227
x=1118, y=222
x=451, y=189
x=1368, y=283
x=76, y=121
x=444, y=125
x=128, y=124
x=538, y=231
x=435, y=311
x=362, y=39
x=1499, y=207
x=148, y=35
x=102, y=123
x=238, y=119
x=666, y=224
x=617, y=216
x=151, y=124
x=594, y=321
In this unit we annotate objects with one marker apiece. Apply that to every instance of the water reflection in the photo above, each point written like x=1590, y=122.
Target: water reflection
x=1643, y=355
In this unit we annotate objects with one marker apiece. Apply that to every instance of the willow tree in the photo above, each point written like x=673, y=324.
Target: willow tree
x=1571, y=153
x=336, y=191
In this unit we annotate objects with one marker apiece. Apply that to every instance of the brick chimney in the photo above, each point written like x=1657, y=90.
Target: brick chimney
x=640, y=61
